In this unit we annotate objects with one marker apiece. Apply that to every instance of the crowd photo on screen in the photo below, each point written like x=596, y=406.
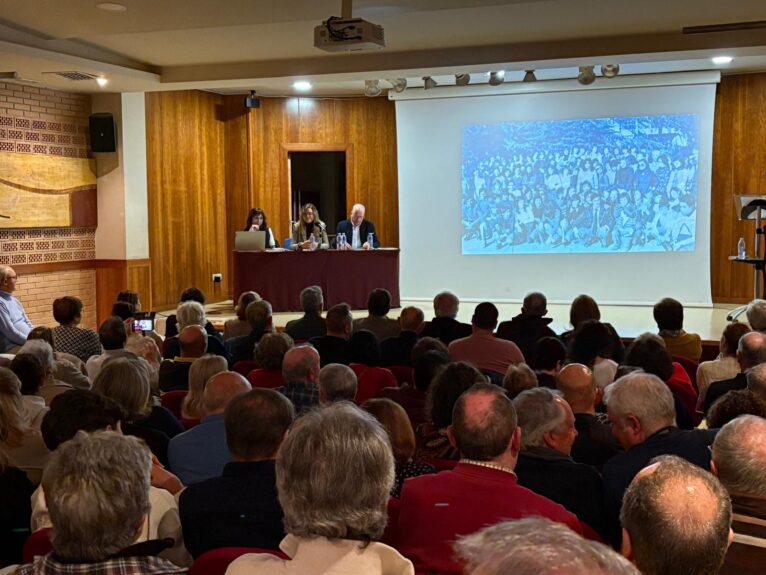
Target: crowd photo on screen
x=625, y=184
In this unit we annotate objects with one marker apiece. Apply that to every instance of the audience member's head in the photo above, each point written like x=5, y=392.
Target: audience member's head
x=549, y=354
x=363, y=347
x=639, y=404
x=583, y=308
x=127, y=383
x=591, y=339
x=756, y=314
x=190, y=313
x=144, y=346
x=79, y=410
x=337, y=382
x=192, y=340
x=411, y=319
x=379, y=302
x=676, y=518
x=739, y=456
x=732, y=333
x=485, y=316
x=338, y=458
x=339, y=321
x=13, y=426
x=537, y=546
x=519, y=377
x=756, y=381
x=751, y=350
x=245, y=299
x=446, y=304
x=449, y=384
x=256, y=424
x=312, y=300
x=43, y=333
x=199, y=374
x=193, y=294
x=221, y=389
x=112, y=333
x=124, y=310
x=258, y=314
x=545, y=419
x=29, y=369
x=131, y=297
x=397, y=424
x=669, y=314
x=733, y=404
x=578, y=387
x=44, y=354
x=271, y=349
x=426, y=344
x=426, y=366
x=67, y=310
x=301, y=363
x=97, y=491
x=648, y=352
x=534, y=304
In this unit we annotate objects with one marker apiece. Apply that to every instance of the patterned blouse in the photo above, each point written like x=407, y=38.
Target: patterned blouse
x=407, y=470
x=80, y=342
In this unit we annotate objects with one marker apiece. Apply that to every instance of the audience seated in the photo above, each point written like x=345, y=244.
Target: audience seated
x=756, y=315
x=449, y=383
x=518, y=378
x=14, y=323
x=259, y=316
x=545, y=464
x=69, y=338
x=733, y=404
x=756, y=382
x=482, y=349
x=739, y=461
x=239, y=325
x=725, y=366
x=529, y=327
x=192, y=313
x=590, y=345
x=548, y=359
x=444, y=326
x=271, y=349
x=333, y=346
x=50, y=387
x=29, y=370
x=394, y=420
x=112, y=335
x=676, y=519
x=321, y=461
x=481, y=490
x=595, y=444
x=398, y=350
x=537, y=546
x=336, y=382
x=378, y=306
x=643, y=418
x=751, y=351
x=189, y=294
x=300, y=370
x=174, y=373
x=311, y=324
x=15, y=493
x=584, y=308
x=240, y=508
x=67, y=367
x=669, y=315
x=134, y=298
x=364, y=356
x=199, y=374
x=201, y=452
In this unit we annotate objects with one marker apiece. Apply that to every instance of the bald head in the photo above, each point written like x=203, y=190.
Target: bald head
x=751, y=349
x=576, y=382
x=193, y=341
x=411, y=319
x=357, y=214
x=483, y=423
x=301, y=363
x=221, y=389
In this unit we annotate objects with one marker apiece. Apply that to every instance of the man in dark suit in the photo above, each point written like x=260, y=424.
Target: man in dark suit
x=751, y=351
x=312, y=324
x=397, y=350
x=527, y=328
x=357, y=230
x=242, y=348
x=240, y=508
x=333, y=347
x=444, y=326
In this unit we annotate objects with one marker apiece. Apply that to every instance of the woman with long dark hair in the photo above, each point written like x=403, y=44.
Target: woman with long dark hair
x=256, y=221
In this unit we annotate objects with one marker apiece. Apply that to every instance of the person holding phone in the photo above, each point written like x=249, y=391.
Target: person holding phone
x=310, y=225
x=256, y=222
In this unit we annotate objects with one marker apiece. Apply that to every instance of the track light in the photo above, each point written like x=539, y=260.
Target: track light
x=462, y=79
x=429, y=82
x=586, y=76
x=252, y=101
x=529, y=76
x=398, y=85
x=372, y=88
x=496, y=78
x=610, y=70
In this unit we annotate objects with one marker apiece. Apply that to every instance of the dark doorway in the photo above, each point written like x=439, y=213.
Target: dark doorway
x=319, y=178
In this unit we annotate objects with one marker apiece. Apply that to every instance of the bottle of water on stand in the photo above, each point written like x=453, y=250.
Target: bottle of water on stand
x=741, y=249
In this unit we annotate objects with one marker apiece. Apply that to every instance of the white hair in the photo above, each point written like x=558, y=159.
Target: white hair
x=190, y=313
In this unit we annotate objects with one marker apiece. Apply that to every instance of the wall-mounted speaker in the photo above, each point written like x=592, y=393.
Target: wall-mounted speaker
x=102, y=132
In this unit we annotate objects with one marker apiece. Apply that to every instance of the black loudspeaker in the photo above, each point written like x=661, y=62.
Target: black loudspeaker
x=102, y=132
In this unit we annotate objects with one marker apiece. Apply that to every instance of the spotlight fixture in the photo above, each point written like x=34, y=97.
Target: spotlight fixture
x=462, y=79
x=252, y=101
x=496, y=78
x=721, y=60
x=586, y=76
x=529, y=76
x=610, y=70
x=302, y=86
x=372, y=88
x=398, y=84
x=429, y=82
x=102, y=81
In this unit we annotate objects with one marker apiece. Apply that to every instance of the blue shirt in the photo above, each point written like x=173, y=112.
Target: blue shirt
x=201, y=452
x=14, y=323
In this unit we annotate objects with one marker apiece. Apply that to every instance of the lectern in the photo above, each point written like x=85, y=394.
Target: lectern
x=752, y=208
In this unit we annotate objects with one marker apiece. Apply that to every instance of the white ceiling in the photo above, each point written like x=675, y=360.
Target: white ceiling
x=237, y=45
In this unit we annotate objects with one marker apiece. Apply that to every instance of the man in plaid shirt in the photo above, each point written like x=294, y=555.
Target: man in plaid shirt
x=300, y=370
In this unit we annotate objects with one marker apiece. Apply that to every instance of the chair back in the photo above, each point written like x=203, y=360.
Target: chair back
x=402, y=373
x=690, y=367
x=389, y=536
x=173, y=400
x=440, y=464
x=216, y=561
x=266, y=378
x=166, y=344
x=371, y=380
x=245, y=366
x=37, y=544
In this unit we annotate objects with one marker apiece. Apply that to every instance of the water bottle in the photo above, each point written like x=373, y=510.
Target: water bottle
x=313, y=243
x=741, y=249
x=342, y=241
x=371, y=240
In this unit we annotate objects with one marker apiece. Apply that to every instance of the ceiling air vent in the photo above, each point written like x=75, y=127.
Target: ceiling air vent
x=74, y=75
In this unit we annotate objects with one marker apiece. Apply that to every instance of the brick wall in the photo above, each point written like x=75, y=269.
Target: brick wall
x=37, y=292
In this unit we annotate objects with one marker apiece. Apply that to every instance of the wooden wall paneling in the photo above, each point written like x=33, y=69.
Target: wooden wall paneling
x=111, y=279
x=139, y=279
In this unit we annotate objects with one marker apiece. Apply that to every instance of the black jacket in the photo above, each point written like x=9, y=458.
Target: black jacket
x=446, y=329
x=720, y=388
x=397, y=350
x=525, y=331
x=305, y=328
x=594, y=444
x=331, y=349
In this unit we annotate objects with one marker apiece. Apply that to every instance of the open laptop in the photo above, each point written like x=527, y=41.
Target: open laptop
x=250, y=241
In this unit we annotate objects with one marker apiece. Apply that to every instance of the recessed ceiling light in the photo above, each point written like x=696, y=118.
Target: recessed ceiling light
x=102, y=81
x=112, y=7
x=722, y=60
x=302, y=86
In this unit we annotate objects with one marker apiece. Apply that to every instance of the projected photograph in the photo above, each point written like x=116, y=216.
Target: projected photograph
x=580, y=186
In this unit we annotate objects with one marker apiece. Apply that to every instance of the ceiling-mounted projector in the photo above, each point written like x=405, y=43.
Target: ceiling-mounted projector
x=346, y=35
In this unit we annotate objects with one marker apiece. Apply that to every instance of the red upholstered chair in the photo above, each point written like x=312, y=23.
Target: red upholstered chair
x=38, y=543
x=244, y=367
x=216, y=561
x=402, y=373
x=440, y=464
x=690, y=367
x=389, y=536
x=371, y=380
x=173, y=400
x=166, y=344
x=189, y=423
x=267, y=378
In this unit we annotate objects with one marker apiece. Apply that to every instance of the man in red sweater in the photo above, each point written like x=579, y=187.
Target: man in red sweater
x=480, y=491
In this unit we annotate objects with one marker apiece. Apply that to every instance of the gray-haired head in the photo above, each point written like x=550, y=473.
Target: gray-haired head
x=97, y=492
x=259, y=315
x=519, y=377
x=751, y=350
x=756, y=381
x=337, y=382
x=126, y=381
x=312, y=300
x=537, y=546
x=756, y=314
x=339, y=458
x=640, y=399
x=739, y=454
x=43, y=352
x=190, y=313
x=540, y=412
